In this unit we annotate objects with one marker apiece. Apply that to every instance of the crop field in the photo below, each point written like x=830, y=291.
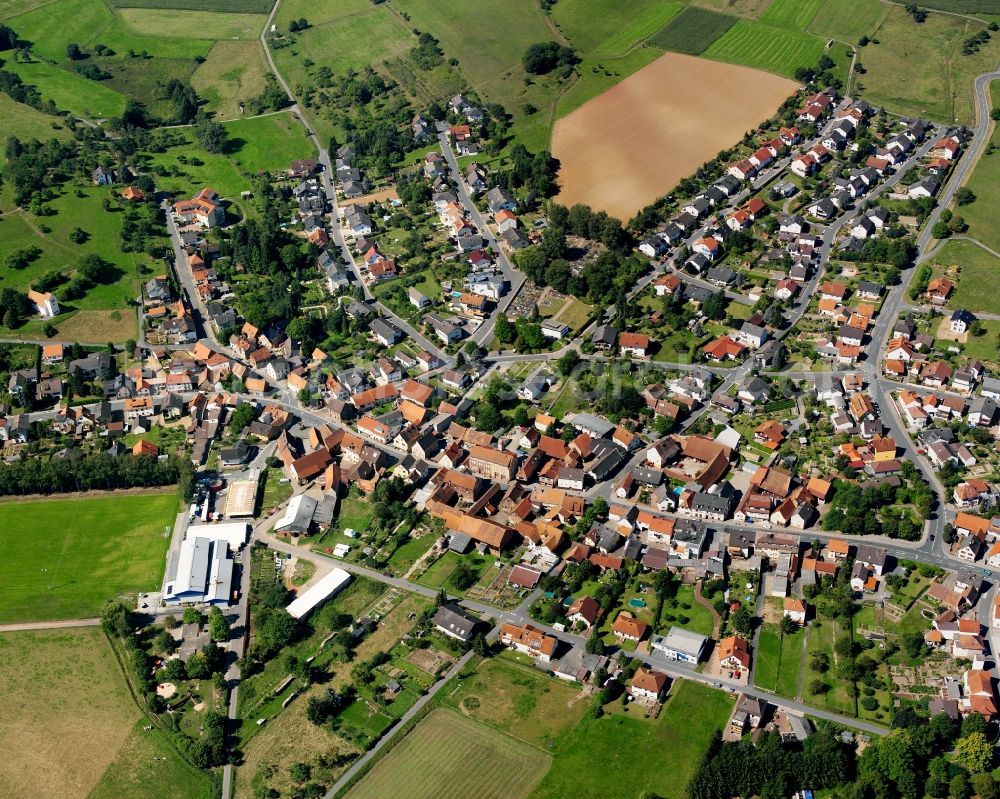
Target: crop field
x=938, y=77
x=692, y=31
x=232, y=71
x=267, y=143
x=519, y=701
x=232, y=6
x=979, y=269
x=191, y=24
x=631, y=144
x=65, y=711
x=763, y=47
x=449, y=757
x=63, y=558
x=611, y=756
x=793, y=14
x=848, y=20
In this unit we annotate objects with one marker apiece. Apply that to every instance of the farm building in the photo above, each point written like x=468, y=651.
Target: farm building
x=200, y=571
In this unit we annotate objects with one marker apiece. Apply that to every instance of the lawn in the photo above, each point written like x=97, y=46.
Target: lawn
x=408, y=554
x=162, y=22
x=939, y=78
x=764, y=47
x=684, y=606
x=692, y=31
x=355, y=512
x=63, y=558
x=793, y=14
x=65, y=711
x=519, y=701
x=70, y=91
x=779, y=659
x=232, y=72
x=149, y=767
x=978, y=269
x=612, y=756
x=982, y=347
x=440, y=570
x=837, y=698
x=848, y=20
x=267, y=143
x=449, y=757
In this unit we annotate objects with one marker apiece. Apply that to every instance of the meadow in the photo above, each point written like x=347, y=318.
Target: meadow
x=938, y=77
x=587, y=24
x=231, y=72
x=27, y=123
x=70, y=91
x=692, y=31
x=233, y=6
x=160, y=22
x=65, y=711
x=985, y=184
x=848, y=20
x=779, y=660
x=793, y=14
x=267, y=143
x=63, y=558
x=763, y=47
x=449, y=757
x=317, y=13
x=625, y=148
x=978, y=269
x=519, y=701
x=610, y=756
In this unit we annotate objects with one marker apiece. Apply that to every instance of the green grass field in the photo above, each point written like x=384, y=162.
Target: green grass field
x=822, y=635
x=938, y=78
x=449, y=757
x=267, y=143
x=233, y=6
x=693, y=31
x=985, y=184
x=70, y=91
x=345, y=44
x=232, y=72
x=58, y=686
x=587, y=24
x=518, y=701
x=848, y=20
x=779, y=659
x=148, y=767
x=611, y=756
x=63, y=558
x=793, y=14
x=27, y=123
x=317, y=13
x=979, y=269
x=161, y=22
x=763, y=47
x=640, y=29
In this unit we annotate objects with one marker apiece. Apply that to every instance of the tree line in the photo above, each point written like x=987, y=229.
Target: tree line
x=99, y=471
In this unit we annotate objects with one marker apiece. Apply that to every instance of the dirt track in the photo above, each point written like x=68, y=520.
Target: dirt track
x=634, y=142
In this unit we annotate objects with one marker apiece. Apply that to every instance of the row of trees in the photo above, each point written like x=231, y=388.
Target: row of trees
x=91, y=472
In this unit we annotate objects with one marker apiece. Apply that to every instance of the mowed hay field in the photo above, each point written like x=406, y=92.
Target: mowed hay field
x=64, y=711
x=63, y=558
x=763, y=47
x=447, y=756
x=985, y=184
x=625, y=148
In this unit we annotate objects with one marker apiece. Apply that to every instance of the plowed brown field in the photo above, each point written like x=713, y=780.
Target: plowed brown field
x=634, y=142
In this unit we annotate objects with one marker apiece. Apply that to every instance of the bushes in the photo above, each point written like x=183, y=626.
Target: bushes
x=542, y=58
